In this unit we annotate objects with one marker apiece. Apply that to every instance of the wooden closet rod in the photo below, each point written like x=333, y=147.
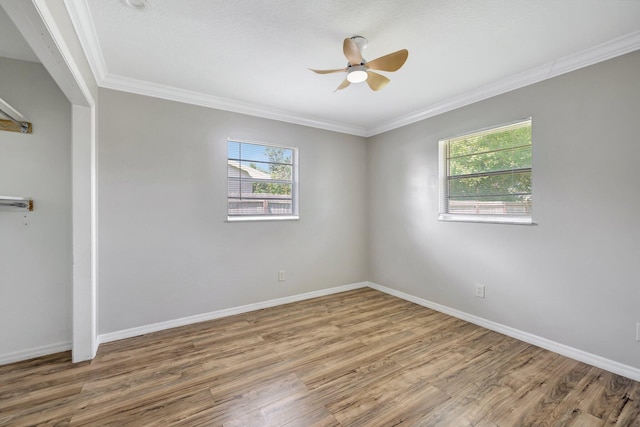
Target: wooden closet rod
x=14, y=125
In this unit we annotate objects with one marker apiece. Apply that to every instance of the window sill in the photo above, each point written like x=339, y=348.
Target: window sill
x=262, y=218
x=487, y=219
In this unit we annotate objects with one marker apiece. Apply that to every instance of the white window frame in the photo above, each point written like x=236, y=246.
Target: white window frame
x=444, y=214
x=295, y=201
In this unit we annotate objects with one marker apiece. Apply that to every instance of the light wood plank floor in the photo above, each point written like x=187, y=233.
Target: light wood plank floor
x=360, y=358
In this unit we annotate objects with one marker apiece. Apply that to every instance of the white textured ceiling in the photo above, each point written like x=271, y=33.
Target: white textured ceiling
x=252, y=55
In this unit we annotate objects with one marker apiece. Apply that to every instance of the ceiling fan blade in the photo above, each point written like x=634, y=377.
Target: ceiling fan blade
x=390, y=62
x=352, y=52
x=344, y=84
x=376, y=81
x=341, y=70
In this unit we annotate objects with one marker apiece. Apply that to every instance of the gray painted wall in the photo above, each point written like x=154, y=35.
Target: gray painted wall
x=575, y=277
x=166, y=251
x=165, y=248
x=35, y=259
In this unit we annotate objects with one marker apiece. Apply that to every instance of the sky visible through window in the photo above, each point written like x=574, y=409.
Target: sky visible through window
x=258, y=156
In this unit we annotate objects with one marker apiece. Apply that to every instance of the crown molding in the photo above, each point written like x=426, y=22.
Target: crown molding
x=86, y=31
x=608, y=50
x=154, y=90
x=81, y=18
x=602, y=52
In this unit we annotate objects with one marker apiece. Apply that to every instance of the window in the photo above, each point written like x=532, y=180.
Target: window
x=485, y=176
x=261, y=181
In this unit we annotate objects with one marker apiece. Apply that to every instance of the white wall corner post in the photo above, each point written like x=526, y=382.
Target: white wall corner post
x=84, y=233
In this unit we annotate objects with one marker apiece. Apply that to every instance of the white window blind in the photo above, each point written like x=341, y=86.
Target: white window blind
x=486, y=175
x=261, y=181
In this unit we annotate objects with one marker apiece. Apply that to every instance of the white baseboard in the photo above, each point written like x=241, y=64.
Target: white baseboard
x=154, y=327
x=34, y=352
x=565, y=350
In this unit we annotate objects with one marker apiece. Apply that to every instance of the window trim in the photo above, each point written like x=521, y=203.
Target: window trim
x=295, y=186
x=443, y=176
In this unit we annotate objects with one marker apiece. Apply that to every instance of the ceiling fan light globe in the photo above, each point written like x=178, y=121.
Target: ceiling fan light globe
x=357, y=74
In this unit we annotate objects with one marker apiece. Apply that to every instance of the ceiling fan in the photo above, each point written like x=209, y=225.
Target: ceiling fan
x=359, y=70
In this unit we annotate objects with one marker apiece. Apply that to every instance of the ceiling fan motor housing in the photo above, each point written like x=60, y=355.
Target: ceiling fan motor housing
x=361, y=42
x=357, y=73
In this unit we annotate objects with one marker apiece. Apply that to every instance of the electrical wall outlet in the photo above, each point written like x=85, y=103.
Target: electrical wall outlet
x=638, y=331
x=479, y=290
x=281, y=276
